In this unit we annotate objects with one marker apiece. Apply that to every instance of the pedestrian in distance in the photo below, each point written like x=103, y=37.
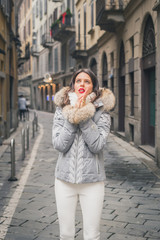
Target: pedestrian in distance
x=81, y=126
x=22, y=107
x=27, y=108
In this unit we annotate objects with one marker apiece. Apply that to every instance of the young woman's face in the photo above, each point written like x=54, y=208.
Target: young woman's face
x=83, y=84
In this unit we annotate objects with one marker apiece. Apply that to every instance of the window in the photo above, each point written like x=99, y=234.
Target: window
x=33, y=18
x=79, y=23
x=50, y=21
x=68, y=3
x=104, y=70
x=29, y=27
x=93, y=66
x=7, y=7
x=50, y=61
x=56, y=60
x=73, y=15
x=55, y=14
x=112, y=71
x=112, y=59
x=37, y=8
x=84, y=9
x=132, y=92
x=41, y=10
x=41, y=32
x=92, y=13
x=45, y=6
x=45, y=27
x=131, y=128
x=34, y=38
x=63, y=57
x=132, y=46
x=112, y=84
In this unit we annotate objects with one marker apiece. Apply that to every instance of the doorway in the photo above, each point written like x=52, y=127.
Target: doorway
x=148, y=122
x=122, y=104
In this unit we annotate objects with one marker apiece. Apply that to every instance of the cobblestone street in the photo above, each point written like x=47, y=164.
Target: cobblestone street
x=132, y=200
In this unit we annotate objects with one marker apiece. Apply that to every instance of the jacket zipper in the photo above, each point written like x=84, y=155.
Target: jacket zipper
x=76, y=157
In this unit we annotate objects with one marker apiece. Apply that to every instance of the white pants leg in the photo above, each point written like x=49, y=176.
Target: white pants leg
x=66, y=200
x=91, y=200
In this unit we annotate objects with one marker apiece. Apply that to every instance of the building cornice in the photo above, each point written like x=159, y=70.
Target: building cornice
x=105, y=37
x=132, y=7
x=37, y=79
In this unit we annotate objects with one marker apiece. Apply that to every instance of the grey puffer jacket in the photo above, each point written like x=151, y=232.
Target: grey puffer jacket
x=80, y=135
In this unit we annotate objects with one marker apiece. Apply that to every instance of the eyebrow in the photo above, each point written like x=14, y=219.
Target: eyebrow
x=84, y=79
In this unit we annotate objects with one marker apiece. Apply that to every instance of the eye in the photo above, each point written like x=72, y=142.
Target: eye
x=87, y=81
x=78, y=80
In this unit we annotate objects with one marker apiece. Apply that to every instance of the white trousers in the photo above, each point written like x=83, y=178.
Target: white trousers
x=91, y=198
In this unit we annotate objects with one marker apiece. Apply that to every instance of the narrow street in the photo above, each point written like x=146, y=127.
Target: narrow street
x=132, y=200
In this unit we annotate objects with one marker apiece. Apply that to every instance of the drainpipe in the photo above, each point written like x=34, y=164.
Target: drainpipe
x=157, y=130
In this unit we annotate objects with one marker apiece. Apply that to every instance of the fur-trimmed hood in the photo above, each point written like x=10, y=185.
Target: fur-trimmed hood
x=106, y=101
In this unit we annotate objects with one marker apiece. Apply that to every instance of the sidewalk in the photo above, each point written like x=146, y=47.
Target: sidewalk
x=5, y=155
x=132, y=200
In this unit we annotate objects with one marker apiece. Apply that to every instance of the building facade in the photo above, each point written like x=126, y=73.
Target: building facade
x=117, y=39
x=24, y=25
x=52, y=36
x=8, y=69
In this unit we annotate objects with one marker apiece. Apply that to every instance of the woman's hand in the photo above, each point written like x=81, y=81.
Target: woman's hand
x=82, y=99
x=81, y=102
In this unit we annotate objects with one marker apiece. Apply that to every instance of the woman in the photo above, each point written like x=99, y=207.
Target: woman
x=80, y=129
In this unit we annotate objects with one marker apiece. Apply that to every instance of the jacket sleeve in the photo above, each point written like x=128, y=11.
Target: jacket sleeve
x=95, y=134
x=63, y=132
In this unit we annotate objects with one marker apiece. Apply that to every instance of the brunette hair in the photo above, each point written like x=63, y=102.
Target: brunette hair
x=94, y=82
x=92, y=76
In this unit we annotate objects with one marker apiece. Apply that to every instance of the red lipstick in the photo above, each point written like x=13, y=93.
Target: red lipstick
x=81, y=90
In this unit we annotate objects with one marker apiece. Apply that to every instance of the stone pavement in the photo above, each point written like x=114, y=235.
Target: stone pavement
x=132, y=200
x=5, y=158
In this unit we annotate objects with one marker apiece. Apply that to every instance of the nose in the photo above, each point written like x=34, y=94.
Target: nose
x=82, y=83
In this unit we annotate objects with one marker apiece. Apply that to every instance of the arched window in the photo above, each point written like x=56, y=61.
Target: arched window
x=93, y=66
x=149, y=38
x=104, y=71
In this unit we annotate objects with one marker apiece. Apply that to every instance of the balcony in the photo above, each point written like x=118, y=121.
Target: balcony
x=47, y=40
x=62, y=29
x=21, y=61
x=80, y=54
x=34, y=51
x=110, y=14
x=76, y=53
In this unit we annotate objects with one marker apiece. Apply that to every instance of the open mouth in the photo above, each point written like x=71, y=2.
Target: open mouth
x=81, y=90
